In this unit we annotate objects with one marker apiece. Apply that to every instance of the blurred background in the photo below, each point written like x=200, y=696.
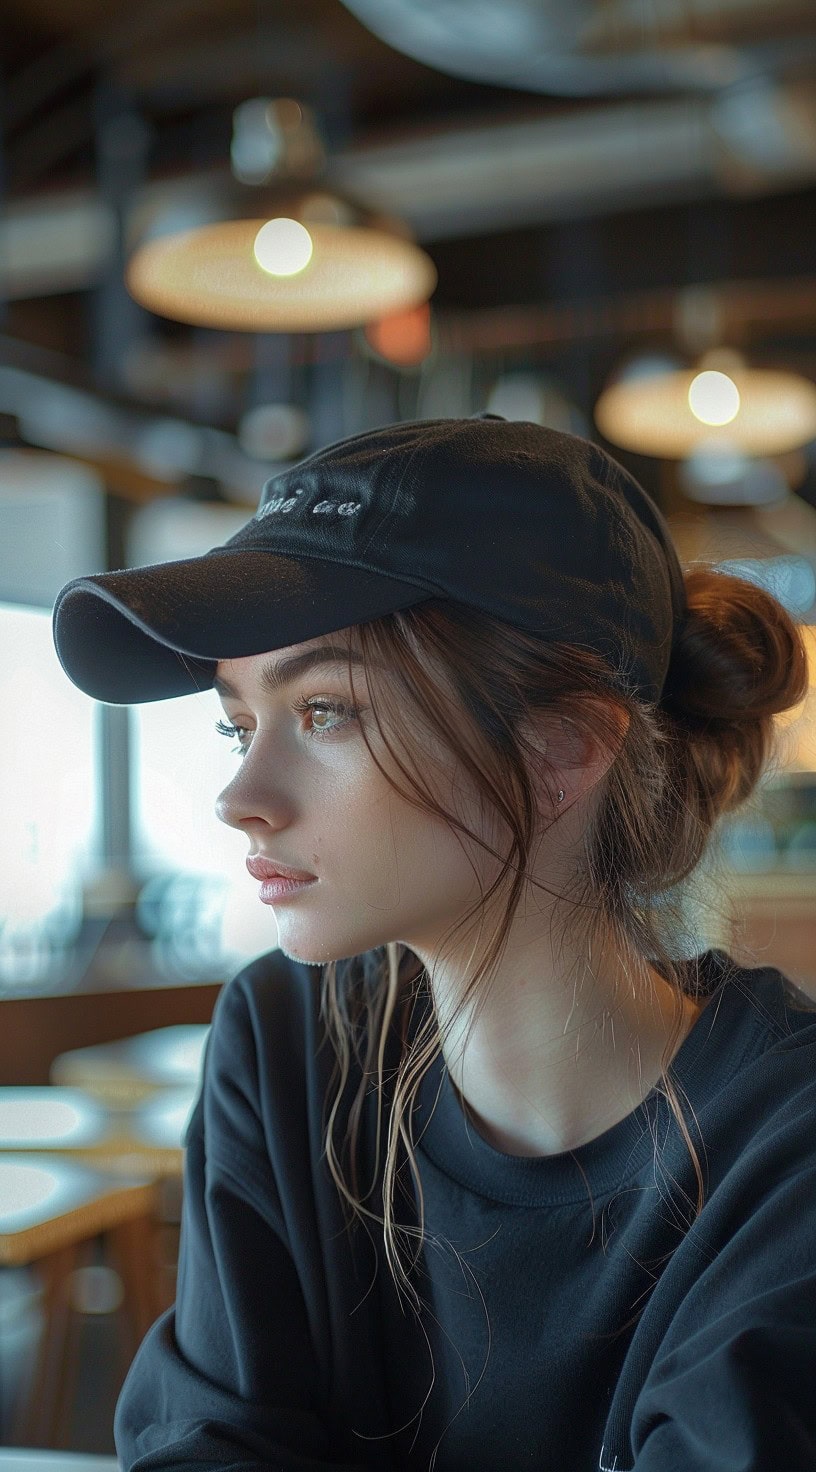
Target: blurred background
x=231, y=233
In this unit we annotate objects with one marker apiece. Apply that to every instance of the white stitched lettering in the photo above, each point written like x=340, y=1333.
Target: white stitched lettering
x=606, y=1467
x=280, y=503
x=343, y=508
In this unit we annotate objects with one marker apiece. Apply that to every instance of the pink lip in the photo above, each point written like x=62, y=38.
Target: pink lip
x=262, y=869
x=274, y=890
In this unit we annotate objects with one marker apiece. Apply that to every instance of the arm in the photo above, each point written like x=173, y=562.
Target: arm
x=732, y=1386
x=228, y=1378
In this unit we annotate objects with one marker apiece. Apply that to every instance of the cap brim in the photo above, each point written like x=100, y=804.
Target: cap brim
x=155, y=632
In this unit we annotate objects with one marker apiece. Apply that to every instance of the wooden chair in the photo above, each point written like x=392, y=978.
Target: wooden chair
x=52, y=1212
x=55, y=1242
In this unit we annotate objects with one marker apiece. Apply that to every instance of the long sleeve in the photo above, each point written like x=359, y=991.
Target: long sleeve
x=229, y=1377
x=731, y=1388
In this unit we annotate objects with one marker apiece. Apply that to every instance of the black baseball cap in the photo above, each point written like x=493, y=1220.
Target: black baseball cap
x=540, y=528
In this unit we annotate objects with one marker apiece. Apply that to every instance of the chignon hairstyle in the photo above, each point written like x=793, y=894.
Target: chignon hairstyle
x=681, y=765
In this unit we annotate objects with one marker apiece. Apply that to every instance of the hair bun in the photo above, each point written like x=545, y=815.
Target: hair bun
x=737, y=654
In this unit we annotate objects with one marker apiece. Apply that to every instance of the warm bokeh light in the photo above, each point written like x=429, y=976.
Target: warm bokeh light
x=403, y=337
x=283, y=247
x=798, y=745
x=714, y=397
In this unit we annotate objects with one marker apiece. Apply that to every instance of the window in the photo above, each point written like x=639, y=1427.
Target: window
x=48, y=798
x=199, y=901
x=198, y=904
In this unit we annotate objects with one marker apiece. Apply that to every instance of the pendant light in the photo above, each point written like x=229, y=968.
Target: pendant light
x=720, y=405
x=293, y=255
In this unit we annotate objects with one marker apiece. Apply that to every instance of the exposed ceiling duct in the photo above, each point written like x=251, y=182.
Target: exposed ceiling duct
x=753, y=140
x=582, y=47
x=627, y=155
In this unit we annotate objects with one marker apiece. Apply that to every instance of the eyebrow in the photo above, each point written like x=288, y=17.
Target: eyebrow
x=277, y=673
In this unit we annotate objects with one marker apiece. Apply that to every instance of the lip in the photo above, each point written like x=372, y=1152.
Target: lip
x=274, y=891
x=261, y=868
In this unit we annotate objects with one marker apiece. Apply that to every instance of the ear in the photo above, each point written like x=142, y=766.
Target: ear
x=578, y=759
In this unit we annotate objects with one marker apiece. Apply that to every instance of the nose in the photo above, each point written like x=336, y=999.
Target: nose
x=252, y=795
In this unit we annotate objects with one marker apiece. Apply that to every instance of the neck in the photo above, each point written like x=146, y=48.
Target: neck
x=545, y=1069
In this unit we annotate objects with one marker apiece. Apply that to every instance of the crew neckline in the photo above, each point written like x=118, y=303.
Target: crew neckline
x=721, y=1038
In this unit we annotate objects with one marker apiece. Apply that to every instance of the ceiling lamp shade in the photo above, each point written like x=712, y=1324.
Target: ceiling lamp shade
x=277, y=249
x=721, y=405
x=291, y=270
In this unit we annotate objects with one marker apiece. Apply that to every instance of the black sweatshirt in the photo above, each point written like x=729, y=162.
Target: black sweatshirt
x=582, y=1326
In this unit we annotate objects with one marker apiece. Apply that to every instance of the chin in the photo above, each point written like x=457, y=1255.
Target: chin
x=317, y=955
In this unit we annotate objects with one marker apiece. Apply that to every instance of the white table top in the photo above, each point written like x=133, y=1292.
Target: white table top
x=130, y=1069
x=23, y=1459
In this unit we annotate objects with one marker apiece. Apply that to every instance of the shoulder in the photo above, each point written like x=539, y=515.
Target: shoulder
x=271, y=997
x=759, y=1009
x=753, y=1069
x=782, y=1017
x=789, y=1057
x=264, y=1069
x=265, y=1031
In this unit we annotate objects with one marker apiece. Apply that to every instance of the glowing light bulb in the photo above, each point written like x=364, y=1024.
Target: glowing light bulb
x=283, y=247
x=714, y=397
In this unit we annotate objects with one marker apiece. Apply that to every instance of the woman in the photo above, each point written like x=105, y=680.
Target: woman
x=484, y=1172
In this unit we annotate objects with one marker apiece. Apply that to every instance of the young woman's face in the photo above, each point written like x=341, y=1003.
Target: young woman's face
x=308, y=793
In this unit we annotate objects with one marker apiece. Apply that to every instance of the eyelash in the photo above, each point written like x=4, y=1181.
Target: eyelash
x=301, y=707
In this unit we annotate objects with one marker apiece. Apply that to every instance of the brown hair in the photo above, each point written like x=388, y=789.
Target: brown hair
x=680, y=766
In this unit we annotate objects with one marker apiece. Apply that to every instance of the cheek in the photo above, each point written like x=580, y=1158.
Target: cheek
x=375, y=841
x=413, y=855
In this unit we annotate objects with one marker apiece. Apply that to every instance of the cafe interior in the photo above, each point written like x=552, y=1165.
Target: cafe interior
x=231, y=233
